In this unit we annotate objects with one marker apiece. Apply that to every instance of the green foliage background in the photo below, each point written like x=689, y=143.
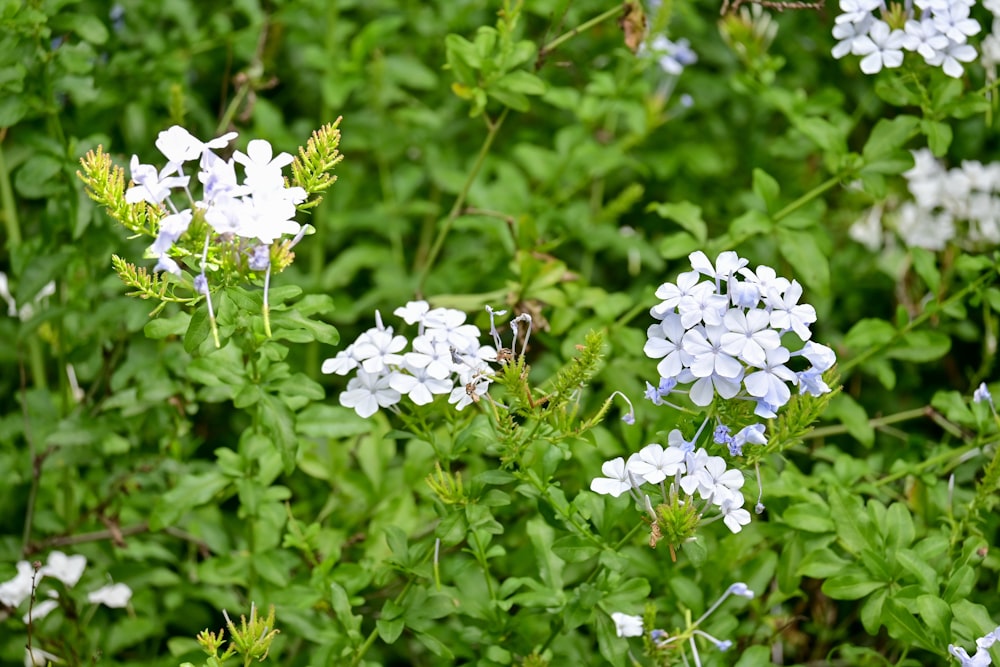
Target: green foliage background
x=590, y=193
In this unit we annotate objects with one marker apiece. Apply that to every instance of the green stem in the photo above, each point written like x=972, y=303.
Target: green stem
x=370, y=639
x=583, y=27
x=456, y=208
x=10, y=219
x=826, y=431
x=808, y=197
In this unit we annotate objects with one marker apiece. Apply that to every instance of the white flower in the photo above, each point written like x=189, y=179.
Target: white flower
x=115, y=596
x=471, y=387
x=850, y=35
x=749, y=336
x=421, y=387
x=178, y=145
x=435, y=357
x=714, y=481
x=708, y=356
x=769, y=382
x=67, y=569
x=15, y=591
x=262, y=167
x=787, y=313
x=150, y=185
x=616, y=480
x=687, y=284
x=343, y=363
x=820, y=356
x=726, y=263
x=654, y=463
x=955, y=22
x=733, y=514
x=367, y=392
x=447, y=325
x=950, y=58
x=36, y=657
x=412, y=312
x=665, y=340
x=627, y=625
x=922, y=37
x=919, y=228
x=881, y=48
x=377, y=349
x=672, y=56
x=856, y=11
x=41, y=610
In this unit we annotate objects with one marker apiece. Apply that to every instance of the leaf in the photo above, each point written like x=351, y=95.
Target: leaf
x=822, y=564
x=680, y=244
x=549, y=565
x=192, y=491
x=809, y=517
x=936, y=615
x=899, y=530
x=40, y=176
x=853, y=584
x=870, y=332
x=810, y=262
x=889, y=136
x=685, y=214
x=766, y=187
x=854, y=418
x=920, y=346
x=279, y=422
x=520, y=81
x=902, y=625
x=198, y=330
x=939, y=136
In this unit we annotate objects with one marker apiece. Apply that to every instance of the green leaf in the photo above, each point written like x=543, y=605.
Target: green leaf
x=936, y=615
x=899, y=530
x=87, y=26
x=280, y=423
x=853, y=527
x=869, y=332
x=854, y=418
x=574, y=549
x=520, y=81
x=462, y=58
x=902, y=625
x=822, y=564
x=162, y=327
x=889, y=136
x=40, y=176
x=920, y=346
x=198, y=330
x=925, y=266
x=939, y=136
x=918, y=567
x=685, y=214
x=750, y=224
x=766, y=187
x=810, y=262
x=680, y=244
x=812, y=518
x=871, y=610
x=854, y=583
x=192, y=491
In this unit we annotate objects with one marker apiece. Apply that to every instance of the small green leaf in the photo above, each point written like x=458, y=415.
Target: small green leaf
x=811, y=263
x=685, y=214
x=766, y=187
x=853, y=584
x=809, y=517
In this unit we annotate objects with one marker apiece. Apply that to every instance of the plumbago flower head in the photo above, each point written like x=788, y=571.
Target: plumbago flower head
x=938, y=33
x=234, y=231
x=445, y=357
x=723, y=328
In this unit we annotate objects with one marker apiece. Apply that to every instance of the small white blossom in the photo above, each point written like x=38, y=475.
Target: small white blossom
x=115, y=596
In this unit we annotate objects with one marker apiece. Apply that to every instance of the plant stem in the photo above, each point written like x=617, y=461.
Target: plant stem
x=10, y=220
x=807, y=197
x=826, y=431
x=456, y=208
x=583, y=27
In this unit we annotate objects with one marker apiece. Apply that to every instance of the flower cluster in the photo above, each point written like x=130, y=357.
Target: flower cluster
x=628, y=625
x=253, y=213
x=982, y=656
x=940, y=34
x=693, y=475
x=961, y=204
x=445, y=357
x=722, y=328
x=68, y=570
